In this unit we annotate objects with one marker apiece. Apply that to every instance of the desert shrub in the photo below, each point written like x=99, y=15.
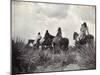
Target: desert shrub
x=16, y=47
x=88, y=54
x=25, y=59
x=69, y=58
x=20, y=60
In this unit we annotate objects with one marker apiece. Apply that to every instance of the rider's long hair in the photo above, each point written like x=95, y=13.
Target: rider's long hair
x=59, y=31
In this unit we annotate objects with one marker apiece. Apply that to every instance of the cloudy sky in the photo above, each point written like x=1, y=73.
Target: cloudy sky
x=29, y=18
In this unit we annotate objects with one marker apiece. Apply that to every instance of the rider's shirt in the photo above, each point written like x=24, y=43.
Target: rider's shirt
x=83, y=32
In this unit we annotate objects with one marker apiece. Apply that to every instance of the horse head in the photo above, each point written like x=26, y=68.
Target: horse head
x=75, y=35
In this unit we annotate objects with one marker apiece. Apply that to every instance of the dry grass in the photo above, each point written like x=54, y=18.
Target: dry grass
x=88, y=54
x=26, y=59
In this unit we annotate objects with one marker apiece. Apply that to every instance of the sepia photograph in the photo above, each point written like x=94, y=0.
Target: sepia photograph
x=52, y=37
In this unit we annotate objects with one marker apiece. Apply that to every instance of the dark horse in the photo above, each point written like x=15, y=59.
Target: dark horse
x=47, y=43
x=88, y=39
x=61, y=44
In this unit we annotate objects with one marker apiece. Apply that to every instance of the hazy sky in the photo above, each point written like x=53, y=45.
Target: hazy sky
x=29, y=18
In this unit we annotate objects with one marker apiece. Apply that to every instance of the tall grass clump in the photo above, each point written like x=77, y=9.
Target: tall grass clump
x=19, y=59
x=88, y=54
x=16, y=52
x=26, y=59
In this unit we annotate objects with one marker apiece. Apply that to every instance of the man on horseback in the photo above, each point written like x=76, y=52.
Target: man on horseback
x=58, y=36
x=37, y=40
x=57, y=39
x=59, y=33
x=46, y=35
x=83, y=31
x=59, y=42
x=84, y=36
x=47, y=43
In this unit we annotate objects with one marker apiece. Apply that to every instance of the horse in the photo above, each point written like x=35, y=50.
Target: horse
x=35, y=43
x=47, y=43
x=88, y=39
x=61, y=43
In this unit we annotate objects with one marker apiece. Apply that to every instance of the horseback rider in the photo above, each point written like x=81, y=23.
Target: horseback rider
x=83, y=31
x=58, y=36
x=59, y=33
x=38, y=38
x=84, y=36
x=46, y=35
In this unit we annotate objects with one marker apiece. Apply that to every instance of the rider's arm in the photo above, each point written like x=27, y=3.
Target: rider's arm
x=87, y=31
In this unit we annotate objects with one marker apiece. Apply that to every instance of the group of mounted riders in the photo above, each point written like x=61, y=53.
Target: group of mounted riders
x=60, y=41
